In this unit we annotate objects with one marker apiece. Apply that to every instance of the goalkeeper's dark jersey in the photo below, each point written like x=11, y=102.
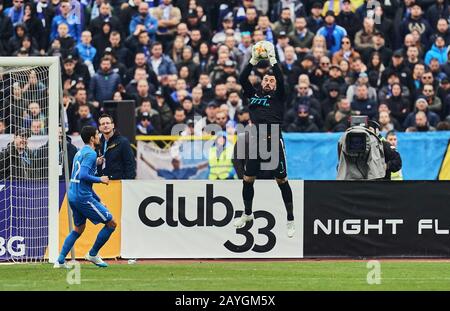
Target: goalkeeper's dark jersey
x=264, y=108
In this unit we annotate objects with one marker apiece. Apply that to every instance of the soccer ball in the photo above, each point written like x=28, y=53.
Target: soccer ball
x=260, y=49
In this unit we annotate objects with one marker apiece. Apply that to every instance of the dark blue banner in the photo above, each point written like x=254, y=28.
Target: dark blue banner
x=23, y=220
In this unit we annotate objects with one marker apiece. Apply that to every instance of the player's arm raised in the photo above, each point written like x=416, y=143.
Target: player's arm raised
x=276, y=70
x=248, y=88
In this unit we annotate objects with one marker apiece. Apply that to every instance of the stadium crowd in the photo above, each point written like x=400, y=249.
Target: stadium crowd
x=180, y=60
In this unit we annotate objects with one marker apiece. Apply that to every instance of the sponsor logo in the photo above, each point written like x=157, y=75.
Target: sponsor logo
x=207, y=209
x=375, y=226
x=12, y=246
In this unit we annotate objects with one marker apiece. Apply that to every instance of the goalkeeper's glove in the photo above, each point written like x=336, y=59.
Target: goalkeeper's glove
x=271, y=53
x=255, y=59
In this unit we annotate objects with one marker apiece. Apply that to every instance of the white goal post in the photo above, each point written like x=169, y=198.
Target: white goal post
x=29, y=178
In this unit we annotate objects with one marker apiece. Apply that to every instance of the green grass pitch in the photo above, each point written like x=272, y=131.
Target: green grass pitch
x=221, y=276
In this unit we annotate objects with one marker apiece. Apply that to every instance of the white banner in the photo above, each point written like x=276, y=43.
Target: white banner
x=153, y=162
x=195, y=219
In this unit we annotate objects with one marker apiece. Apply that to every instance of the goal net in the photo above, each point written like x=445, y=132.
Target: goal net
x=29, y=169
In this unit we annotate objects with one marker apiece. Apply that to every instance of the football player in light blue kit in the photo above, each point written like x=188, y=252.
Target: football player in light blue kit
x=84, y=202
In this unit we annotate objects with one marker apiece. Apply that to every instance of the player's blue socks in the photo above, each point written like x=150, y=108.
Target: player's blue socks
x=102, y=238
x=67, y=246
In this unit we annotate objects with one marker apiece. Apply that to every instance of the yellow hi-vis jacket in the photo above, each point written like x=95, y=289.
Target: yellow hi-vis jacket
x=397, y=176
x=221, y=167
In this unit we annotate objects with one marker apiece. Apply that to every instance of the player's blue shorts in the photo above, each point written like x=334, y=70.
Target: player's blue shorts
x=90, y=209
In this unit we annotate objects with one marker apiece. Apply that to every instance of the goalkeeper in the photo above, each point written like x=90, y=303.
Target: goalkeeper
x=266, y=107
x=84, y=202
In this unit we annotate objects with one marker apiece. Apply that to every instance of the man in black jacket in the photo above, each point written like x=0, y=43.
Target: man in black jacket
x=391, y=156
x=266, y=108
x=6, y=30
x=116, y=157
x=18, y=156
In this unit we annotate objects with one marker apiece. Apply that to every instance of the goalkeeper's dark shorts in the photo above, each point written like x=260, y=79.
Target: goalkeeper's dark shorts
x=276, y=163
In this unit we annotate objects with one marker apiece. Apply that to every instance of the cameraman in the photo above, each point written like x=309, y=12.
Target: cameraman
x=391, y=156
x=364, y=155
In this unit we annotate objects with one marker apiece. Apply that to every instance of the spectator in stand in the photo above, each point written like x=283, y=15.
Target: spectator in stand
x=116, y=156
x=438, y=50
x=315, y=21
x=211, y=110
x=375, y=70
x=384, y=25
x=332, y=32
x=161, y=64
x=442, y=30
x=35, y=113
x=168, y=16
x=198, y=101
x=415, y=20
x=222, y=119
x=104, y=83
x=421, y=105
x=234, y=104
x=63, y=41
x=362, y=104
x=85, y=118
x=194, y=23
x=16, y=160
x=434, y=102
x=177, y=124
x=192, y=111
x=147, y=107
x=101, y=40
x=421, y=123
x=144, y=125
x=439, y=10
x=265, y=26
x=412, y=57
x=399, y=67
x=6, y=30
x=34, y=25
x=227, y=30
x=128, y=9
x=301, y=37
x=251, y=20
x=284, y=23
x=15, y=42
x=348, y=19
x=380, y=48
x=397, y=103
x=165, y=113
x=337, y=120
x=386, y=124
x=363, y=78
x=364, y=38
x=105, y=16
x=302, y=123
x=346, y=52
x=16, y=12
x=144, y=18
x=122, y=53
x=86, y=51
x=143, y=92
x=75, y=27
x=332, y=96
